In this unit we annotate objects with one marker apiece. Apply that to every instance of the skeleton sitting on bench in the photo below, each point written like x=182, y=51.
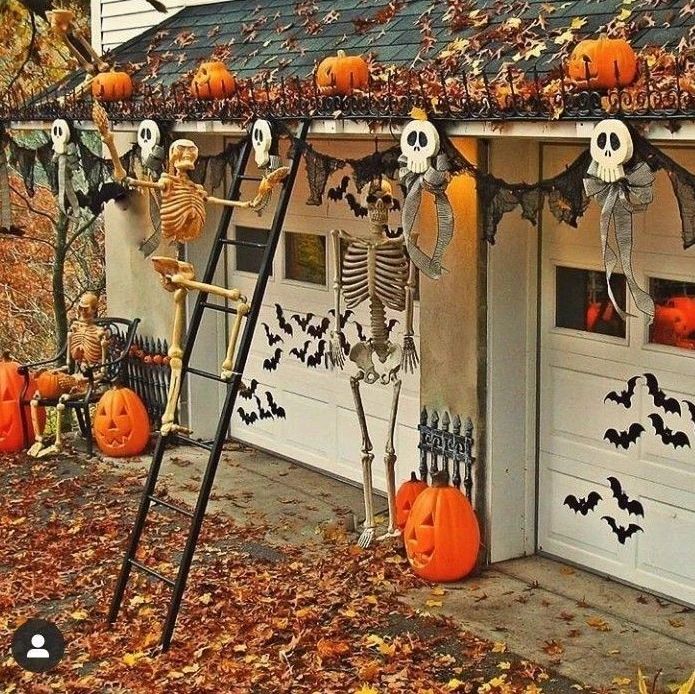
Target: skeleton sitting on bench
x=87, y=347
x=375, y=268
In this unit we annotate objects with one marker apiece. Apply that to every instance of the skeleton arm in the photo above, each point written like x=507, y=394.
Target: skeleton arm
x=410, y=358
x=101, y=120
x=335, y=347
x=265, y=187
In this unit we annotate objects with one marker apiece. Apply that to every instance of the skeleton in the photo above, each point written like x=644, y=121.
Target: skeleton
x=611, y=148
x=375, y=268
x=86, y=349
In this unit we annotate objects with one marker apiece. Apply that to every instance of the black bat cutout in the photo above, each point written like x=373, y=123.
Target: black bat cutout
x=624, y=439
x=345, y=345
x=271, y=337
x=338, y=192
x=582, y=505
x=391, y=325
x=263, y=413
x=621, y=531
x=277, y=410
x=302, y=322
x=301, y=353
x=271, y=363
x=247, y=417
x=632, y=507
x=106, y=192
x=318, y=331
x=284, y=325
x=691, y=409
x=360, y=332
x=623, y=398
x=316, y=359
x=677, y=439
x=355, y=206
x=660, y=398
x=247, y=391
x=344, y=317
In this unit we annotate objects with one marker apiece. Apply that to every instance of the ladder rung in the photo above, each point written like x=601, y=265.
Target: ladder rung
x=151, y=572
x=192, y=442
x=218, y=307
x=169, y=505
x=243, y=244
x=205, y=374
x=244, y=177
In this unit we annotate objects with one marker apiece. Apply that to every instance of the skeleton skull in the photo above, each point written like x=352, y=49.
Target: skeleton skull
x=183, y=155
x=378, y=200
x=87, y=307
x=262, y=140
x=60, y=135
x=611, y=147
x=149, y=137
x=419, y=143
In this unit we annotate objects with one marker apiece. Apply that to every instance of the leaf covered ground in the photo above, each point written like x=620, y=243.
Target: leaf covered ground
x=324, y=617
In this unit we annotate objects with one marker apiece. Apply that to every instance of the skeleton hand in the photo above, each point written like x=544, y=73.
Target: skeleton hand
x=410, y=359
x=335, y=349
x=101, y=120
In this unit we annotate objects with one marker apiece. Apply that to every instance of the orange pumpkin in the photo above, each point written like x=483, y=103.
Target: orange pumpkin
x=669, y=326
x=405, y=498
x=442, y=536
x=121, y=424
x=48, y=384
x=601, y=57
x=12, y=437
x=685, y=304
x=112, y=86
x=213, y=80
x=342, y=73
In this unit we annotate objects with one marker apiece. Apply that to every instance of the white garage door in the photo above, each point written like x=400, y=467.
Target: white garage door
x=299, y=408
x=617, y=423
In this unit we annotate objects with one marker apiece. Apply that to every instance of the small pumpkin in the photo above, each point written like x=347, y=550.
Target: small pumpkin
x=405, y=498
x=442, y=536
x=599, y=59
x=48, y=384
x=12, y=438
x=213, y=80
x=121, y=423
x=341, y=74
x=112, y=86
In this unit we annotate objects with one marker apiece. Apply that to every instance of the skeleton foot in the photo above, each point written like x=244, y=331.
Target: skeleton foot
x=171, y=428
x=390, y=534
x=49, y=450
x=34, y=451
x=367, y=537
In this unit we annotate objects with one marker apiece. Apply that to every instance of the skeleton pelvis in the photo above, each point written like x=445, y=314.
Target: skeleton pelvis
x=386, y=366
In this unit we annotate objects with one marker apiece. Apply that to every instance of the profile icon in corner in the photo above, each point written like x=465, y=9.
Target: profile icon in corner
x=38, y=645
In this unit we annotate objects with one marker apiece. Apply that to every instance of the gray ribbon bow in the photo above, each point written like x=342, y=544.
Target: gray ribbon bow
x=619, y=201
x=435, y=181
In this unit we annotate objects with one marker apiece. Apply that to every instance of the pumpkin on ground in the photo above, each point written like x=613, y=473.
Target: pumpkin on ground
x=12, y=436
x=442, y=536
x=341, y=74
x=607, y=63
x=112, y=86
x=121, y=423
x=405, y=498
x=213, y=80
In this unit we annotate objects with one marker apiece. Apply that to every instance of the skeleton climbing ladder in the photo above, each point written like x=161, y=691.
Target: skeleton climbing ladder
x=149, y=499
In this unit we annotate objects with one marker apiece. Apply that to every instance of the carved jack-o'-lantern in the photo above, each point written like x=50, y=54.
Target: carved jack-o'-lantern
x=405, y=498
x=607, y=63
x=12, y=437
x=121, y=424
x=442, y=536
x=48, y=384
x=213, y=80
x=112, y=86
x=340, y=74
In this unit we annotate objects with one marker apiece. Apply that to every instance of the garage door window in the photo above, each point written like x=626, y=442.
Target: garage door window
x=248, y=258
x=305, y=258
x=582, y=301
x=674, y=318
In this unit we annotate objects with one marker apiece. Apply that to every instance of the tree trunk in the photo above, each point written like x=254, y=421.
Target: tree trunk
x=60, y=310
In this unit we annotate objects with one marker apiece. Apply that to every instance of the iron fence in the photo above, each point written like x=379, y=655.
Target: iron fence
x=504, y=96
x=447, y=444
x=149, y=374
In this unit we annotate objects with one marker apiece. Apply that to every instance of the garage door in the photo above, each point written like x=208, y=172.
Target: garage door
x=617, y=419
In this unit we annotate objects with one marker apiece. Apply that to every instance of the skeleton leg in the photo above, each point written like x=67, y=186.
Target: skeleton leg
x=390, y=462
x=175, y=356
x=228, y=364
x=57, y=446
x=38, y=429
x=367, y=536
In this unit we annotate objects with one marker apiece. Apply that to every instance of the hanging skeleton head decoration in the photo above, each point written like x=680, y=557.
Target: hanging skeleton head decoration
x=611, y=148
x=419, y=143
x=149, y=140
x=378, y=199
x=263, y=142
x=60, y=135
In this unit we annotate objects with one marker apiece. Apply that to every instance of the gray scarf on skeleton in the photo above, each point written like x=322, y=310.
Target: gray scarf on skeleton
x=435, y=181
x=66, y=161
x=619, y=201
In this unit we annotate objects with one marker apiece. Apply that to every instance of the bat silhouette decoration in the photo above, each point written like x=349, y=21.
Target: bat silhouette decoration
x=621, y=531
x=262, y=412
x=623, y=398
x=624, y=439
x=660, y=398
x=318, y=331
x=632, y=507
x=691, y=409
x=360, y=332
x=677, y=439
x=106, y=192
x=271, y=363
x=301, y=353
x=247, y=391
x=338, y=193
x=316, y=359
x=247, y=417
x=344, y=317
x=302, y=322
x=277, y=410
x=583, y=505
x=271, y=337
x=284, y=325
